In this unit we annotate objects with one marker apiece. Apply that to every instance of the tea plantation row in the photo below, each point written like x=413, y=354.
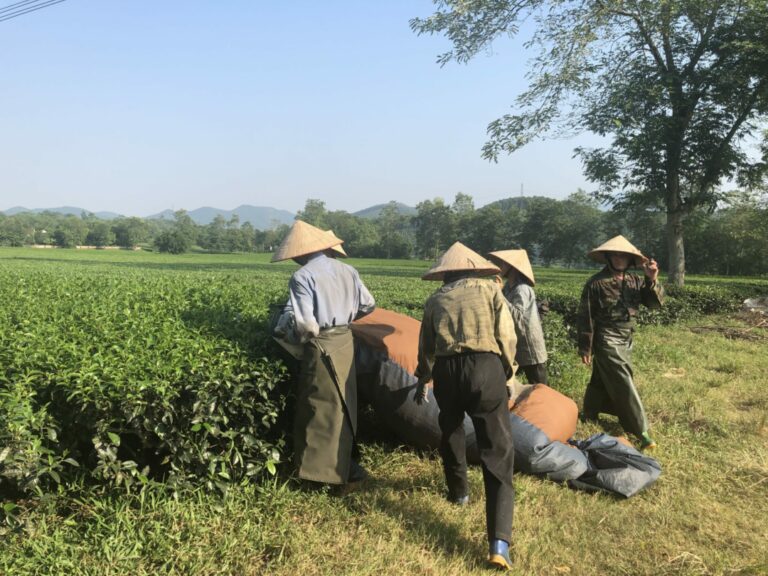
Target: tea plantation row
x=123, y=368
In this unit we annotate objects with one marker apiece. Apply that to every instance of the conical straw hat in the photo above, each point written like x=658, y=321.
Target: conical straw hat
x=338, y=248
x=617, y=244
x=304, y=239
x=459, y=258
x=518, y=259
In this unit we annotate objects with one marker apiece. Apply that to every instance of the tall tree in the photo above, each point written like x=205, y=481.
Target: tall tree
x=561, y=230
x=130, y=232
x=491, y=228
x=181, y=235
x=314, y=213
x=677, y=86
x=13, y=232
x=99, y=233
x=733, y=240
x=463, y=205
x=391, y=225
x=213, y=236
x=359, y=234
x=245, y=237
x=435, y=227
x=463, y=208
x=642, y=224
x=70, y=232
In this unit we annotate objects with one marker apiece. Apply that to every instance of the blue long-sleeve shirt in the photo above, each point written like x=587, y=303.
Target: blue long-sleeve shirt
x=325, y=293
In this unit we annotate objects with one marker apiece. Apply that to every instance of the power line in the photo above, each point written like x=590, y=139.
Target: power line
x=17, y=5
x=26, y=9
x=21, y=9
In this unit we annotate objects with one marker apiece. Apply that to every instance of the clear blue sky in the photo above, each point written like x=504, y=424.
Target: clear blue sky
x=138, y=106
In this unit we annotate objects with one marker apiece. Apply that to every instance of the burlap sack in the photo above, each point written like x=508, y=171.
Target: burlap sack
x=553, y=413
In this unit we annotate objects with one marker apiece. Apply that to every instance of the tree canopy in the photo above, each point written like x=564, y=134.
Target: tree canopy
x=678, y=87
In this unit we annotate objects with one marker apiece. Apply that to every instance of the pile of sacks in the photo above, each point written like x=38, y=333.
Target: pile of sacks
x=543, y=420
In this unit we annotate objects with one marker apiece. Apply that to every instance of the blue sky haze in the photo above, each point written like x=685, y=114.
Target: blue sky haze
x=135, y=107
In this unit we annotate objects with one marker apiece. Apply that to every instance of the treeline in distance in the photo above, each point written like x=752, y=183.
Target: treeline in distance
x=732, y=240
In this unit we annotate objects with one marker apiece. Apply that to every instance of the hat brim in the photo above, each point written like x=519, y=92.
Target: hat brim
x=618, y=244
x=523, y=268
x=460, y=259
x=600, y=256
x=304, y=239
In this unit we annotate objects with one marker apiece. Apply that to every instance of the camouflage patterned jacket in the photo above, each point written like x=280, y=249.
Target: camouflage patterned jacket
x=609, y=302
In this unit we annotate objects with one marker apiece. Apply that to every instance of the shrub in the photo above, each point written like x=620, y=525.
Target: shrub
x=130, y=376
x=28, y=439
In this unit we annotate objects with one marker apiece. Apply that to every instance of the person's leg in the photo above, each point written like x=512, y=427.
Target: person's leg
x=451, y=420
x=302, y=414
x=530, y=373
x=615, y=367
x=322, y=439
x=536, y=373
x=596, y=397
x=490, y=414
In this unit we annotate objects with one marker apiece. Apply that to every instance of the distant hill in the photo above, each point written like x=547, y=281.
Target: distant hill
x=164, y=215
x=73, y=210
x=519, y=202
x=260, y=217
x=375, y=211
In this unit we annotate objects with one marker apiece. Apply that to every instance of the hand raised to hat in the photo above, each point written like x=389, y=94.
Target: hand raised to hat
x=651, y=269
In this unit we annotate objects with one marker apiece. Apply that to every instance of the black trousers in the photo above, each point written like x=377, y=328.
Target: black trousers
x=475, y=383
x=536, y=373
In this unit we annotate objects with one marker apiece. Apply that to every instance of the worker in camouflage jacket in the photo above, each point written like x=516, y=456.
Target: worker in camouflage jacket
x=606, y=323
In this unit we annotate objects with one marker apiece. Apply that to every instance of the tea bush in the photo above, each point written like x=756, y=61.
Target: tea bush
x=132, y=375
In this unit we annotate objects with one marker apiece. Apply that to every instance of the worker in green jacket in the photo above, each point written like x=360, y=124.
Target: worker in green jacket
x=467, y=348
x=606, y=323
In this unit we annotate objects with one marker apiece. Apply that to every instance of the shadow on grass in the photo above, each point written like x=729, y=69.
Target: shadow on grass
x=418, y=516
x=610, y=426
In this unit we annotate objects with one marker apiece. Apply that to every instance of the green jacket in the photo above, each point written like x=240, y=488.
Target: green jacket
x=468, y=315
x=609, y=302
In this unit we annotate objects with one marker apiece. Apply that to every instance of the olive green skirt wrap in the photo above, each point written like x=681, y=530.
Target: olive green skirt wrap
x=325, y=422
x=611, y=390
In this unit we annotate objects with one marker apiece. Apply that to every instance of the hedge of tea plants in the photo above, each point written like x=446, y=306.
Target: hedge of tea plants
x=127, y=375
x=128, y=369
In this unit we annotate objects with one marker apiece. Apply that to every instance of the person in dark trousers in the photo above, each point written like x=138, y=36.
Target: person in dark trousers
x=467, y=349
x=531, y=353
x=606, y=324
x=325, y=296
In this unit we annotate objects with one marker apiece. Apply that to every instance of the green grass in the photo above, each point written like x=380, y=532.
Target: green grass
x=707, y=403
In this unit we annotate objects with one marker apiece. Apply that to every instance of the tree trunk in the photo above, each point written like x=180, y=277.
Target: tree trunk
x=676, y=247
x=675, y=207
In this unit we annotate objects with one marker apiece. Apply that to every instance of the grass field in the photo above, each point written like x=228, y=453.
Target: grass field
x=705, y=394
